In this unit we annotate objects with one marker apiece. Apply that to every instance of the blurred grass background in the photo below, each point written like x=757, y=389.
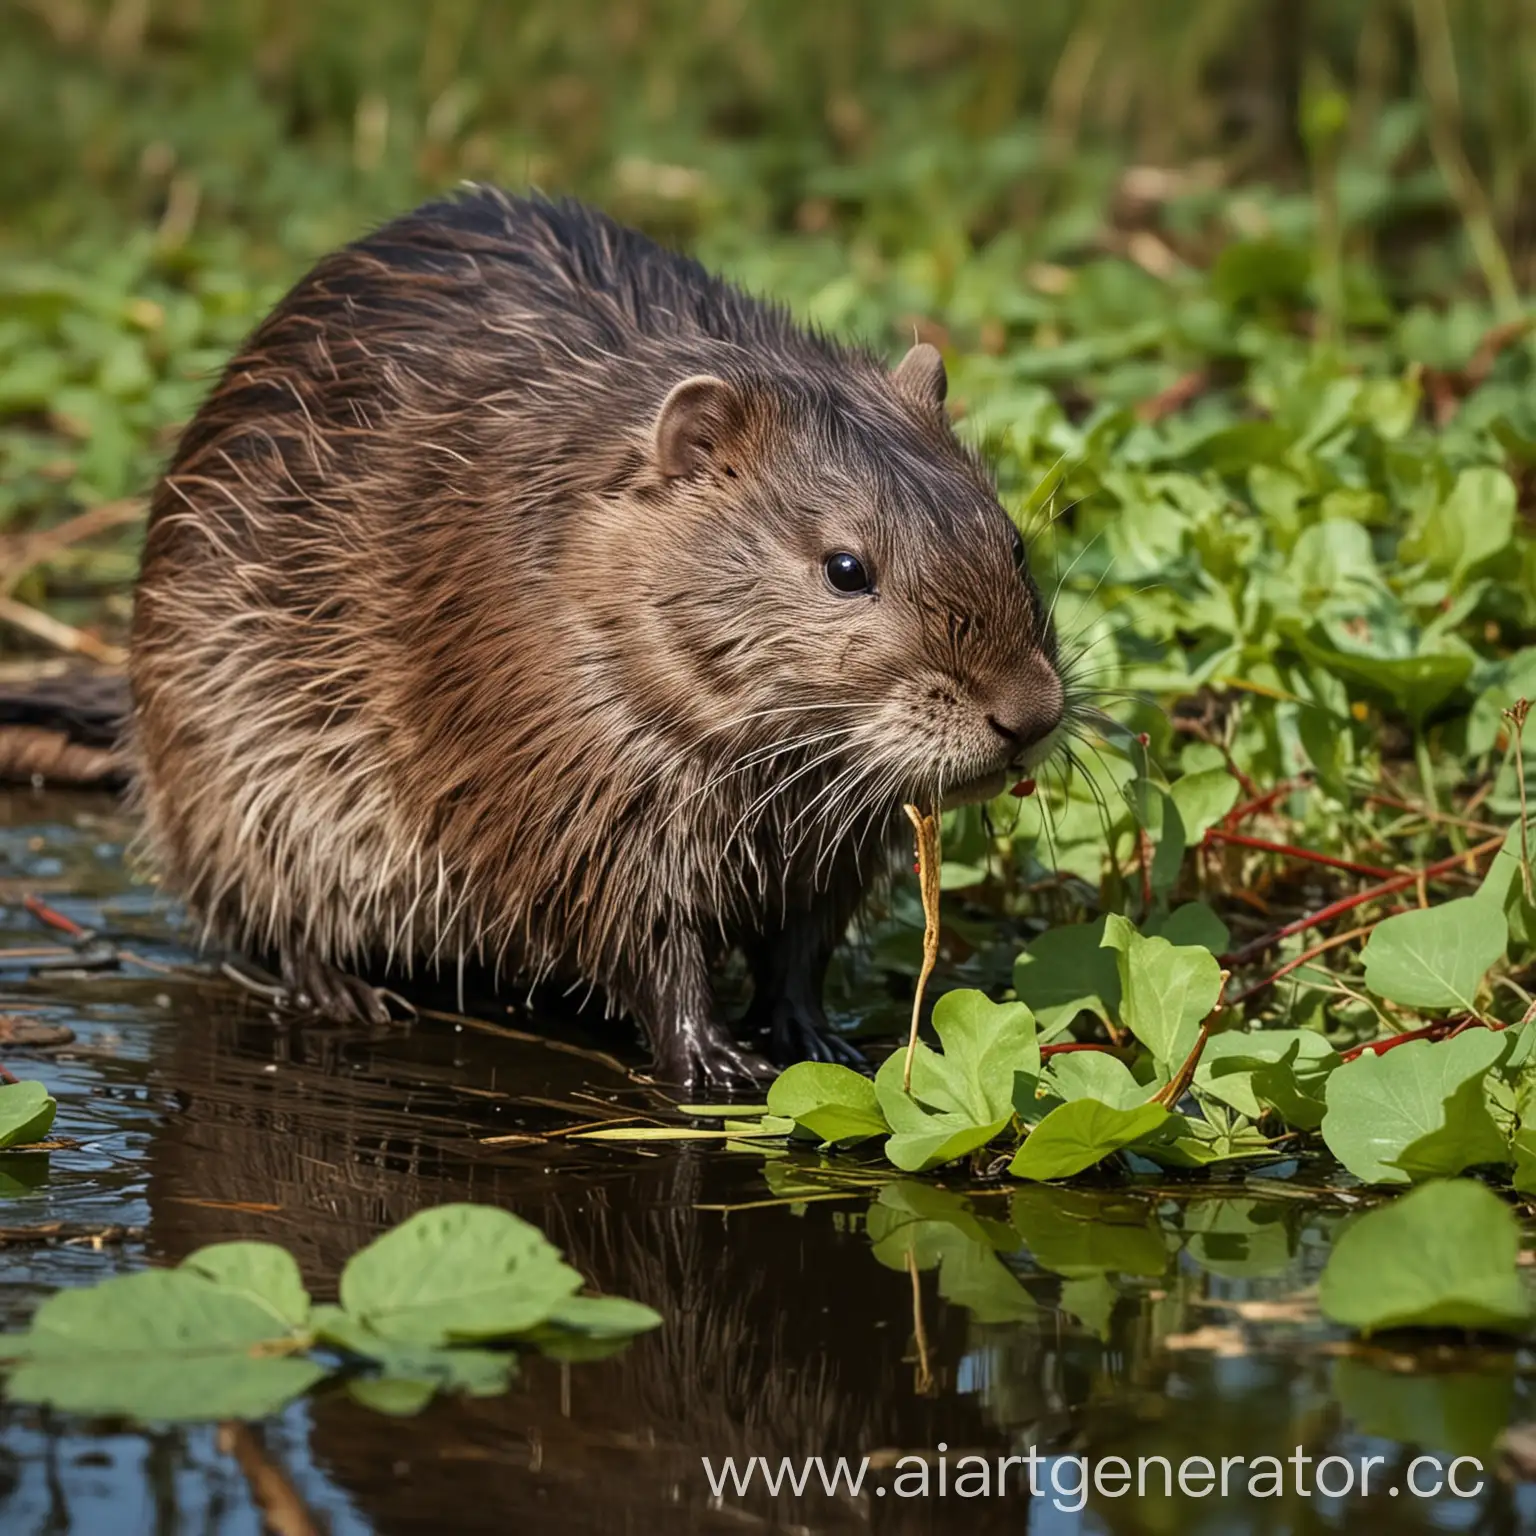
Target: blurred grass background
x=1020, y=181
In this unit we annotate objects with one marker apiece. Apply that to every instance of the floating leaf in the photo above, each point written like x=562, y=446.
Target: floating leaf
x=456, y=1272
x=1444, y=1256
x=263, y=1272
x=832, y=1102
x=162, y=1344
x=26, y=1113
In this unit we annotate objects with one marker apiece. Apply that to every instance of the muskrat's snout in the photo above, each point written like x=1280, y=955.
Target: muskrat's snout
x=1025, y=712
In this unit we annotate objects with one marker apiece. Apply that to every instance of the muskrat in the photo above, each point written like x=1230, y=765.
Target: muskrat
x=524, y=593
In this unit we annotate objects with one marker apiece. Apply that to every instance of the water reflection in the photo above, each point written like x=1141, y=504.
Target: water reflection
x=811, y=1310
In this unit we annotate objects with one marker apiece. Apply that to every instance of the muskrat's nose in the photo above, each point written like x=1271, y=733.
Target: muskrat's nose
x=1027, y=709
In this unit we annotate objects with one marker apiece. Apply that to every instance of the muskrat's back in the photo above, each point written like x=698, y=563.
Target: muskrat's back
x=485, y=612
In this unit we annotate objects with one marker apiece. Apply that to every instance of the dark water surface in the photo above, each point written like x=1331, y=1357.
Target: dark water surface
x=899, y=1319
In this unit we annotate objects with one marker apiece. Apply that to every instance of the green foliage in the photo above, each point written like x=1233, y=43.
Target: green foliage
x=232, y=1334
x=1444, y=1256
x=1077, y=1135
x=26, y=1113
x=1415, y=1112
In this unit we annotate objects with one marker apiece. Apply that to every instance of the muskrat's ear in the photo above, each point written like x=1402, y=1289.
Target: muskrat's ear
x=694, y=424
x=920, y=376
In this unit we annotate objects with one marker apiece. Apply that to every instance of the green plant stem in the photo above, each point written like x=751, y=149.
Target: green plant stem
x=1442, y=91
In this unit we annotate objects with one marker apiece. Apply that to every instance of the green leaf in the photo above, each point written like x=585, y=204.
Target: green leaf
x=1192, y=923
x=1067, y=971
x=1096, y=1075
x=922, y=1138
x=1075, y=1136
x=1471, y=525
x=986, y=1045
x=263, y=1272
x=962, y=1098
x=1444, y=1256
x=456, y=1272
x=26, y=1113
x=1254, y=1070
x=1435, y=957
x=604, y=1317
x=832, y=1102
x=1203, y=799
x=162, y=1344
x=1415, y=1111
x=1165, y=990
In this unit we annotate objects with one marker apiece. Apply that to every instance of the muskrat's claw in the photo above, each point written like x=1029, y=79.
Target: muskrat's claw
x=314, y=987
x=712, y=1061
x=795, y=1034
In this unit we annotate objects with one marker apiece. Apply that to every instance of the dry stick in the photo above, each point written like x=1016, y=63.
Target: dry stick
x=62, y=636
x=1290, y=850
x=1178, y=1085
x=1371, y=893
x=926, y=825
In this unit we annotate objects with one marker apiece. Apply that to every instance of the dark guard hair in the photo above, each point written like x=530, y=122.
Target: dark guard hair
x=525, y=593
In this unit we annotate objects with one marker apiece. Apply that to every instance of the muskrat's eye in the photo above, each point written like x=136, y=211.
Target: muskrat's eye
x=1019, y=561
x=846, y=574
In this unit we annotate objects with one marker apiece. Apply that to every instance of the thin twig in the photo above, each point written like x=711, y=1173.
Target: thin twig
x=55, y=632
x=926, y=825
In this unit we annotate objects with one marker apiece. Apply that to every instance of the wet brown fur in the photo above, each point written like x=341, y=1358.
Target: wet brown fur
x=451, y=643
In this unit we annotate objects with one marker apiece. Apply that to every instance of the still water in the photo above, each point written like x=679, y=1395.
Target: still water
x=909, y=1322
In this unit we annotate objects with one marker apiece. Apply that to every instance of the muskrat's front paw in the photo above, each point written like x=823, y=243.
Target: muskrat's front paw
x=312, y=986
x=718, y=1065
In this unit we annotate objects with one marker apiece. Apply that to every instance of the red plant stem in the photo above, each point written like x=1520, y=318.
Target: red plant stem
x=1240, y=813
x=1439, y=1031
x=1290, y=850
x=7, y=1076
x=1349, y=903
x=1079, y=1045
x=51, y=919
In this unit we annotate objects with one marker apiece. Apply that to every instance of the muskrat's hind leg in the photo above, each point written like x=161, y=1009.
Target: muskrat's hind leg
x=674, y=1003
x=311, y=985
